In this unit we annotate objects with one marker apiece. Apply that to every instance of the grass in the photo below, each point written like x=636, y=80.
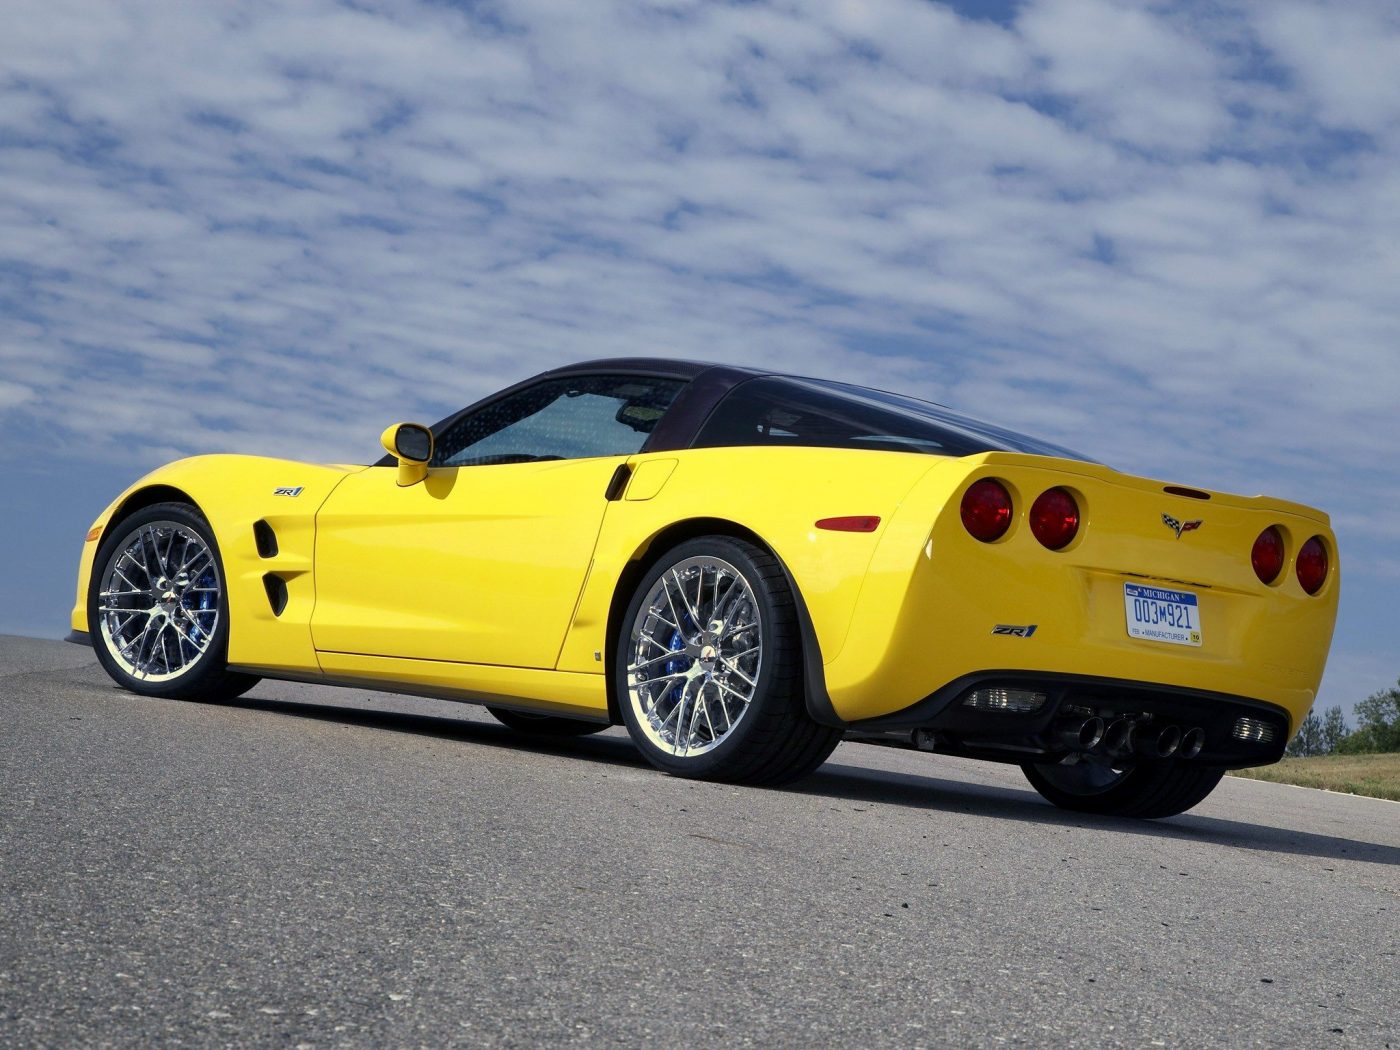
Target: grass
x=1375, y=775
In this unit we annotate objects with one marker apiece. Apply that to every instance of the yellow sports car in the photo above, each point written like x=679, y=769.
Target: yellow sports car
x=743, y=568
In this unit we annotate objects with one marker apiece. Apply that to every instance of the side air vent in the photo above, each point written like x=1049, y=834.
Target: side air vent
x=265, y=538
x=276, y=588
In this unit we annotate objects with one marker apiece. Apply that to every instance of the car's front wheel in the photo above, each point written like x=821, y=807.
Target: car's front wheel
x=1145, y=789
x=709, y=668
x=158, y=607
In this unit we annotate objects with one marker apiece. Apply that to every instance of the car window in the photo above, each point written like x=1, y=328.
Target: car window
x=575, y=417
x=786, y=411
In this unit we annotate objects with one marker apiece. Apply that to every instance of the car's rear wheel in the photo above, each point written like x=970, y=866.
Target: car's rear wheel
x=1144, y=789
x=158, y=607
x=545, y=725
x=709, y=668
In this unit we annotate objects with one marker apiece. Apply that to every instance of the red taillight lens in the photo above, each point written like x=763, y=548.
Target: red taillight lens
x=1055, y=518
x=1312, y=565
x=1267, y=556
x=986, y=510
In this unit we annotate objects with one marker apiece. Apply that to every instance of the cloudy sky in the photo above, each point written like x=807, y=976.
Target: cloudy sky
x=1166, y=234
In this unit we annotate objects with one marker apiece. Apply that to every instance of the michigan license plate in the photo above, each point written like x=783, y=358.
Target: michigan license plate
x=1160, y=615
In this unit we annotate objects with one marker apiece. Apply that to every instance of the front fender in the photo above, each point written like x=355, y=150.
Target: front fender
x=234, y=493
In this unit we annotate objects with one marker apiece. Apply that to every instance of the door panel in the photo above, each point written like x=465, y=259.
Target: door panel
x=479, y=564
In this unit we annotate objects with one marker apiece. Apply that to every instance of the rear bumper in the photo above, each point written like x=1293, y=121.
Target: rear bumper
x=1239, y=731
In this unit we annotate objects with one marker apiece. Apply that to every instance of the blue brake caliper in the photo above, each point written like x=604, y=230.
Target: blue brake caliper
x=677, y=645
x=206, y=604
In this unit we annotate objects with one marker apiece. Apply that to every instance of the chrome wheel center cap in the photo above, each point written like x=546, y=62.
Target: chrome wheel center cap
x=708, y=653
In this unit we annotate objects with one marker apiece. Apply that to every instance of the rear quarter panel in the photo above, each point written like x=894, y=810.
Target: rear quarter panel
x=777, y=494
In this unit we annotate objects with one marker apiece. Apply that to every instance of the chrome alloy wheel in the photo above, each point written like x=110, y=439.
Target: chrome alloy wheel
x=694, y=656
x=160, y=601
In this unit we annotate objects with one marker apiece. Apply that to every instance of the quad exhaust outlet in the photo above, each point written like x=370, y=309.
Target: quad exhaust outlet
x=1128, y=736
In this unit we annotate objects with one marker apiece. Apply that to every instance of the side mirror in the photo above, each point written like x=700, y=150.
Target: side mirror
x=412, y=445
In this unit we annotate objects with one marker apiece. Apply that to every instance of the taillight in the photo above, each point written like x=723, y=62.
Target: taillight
x=1312, y=565
x=1267, y=556
x=986, y=510
x=1055, y=518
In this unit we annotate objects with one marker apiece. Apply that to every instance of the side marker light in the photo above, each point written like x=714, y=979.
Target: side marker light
x=850, y=523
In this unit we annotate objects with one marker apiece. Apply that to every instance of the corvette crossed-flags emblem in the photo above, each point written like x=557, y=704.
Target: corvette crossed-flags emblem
x=1179, y=527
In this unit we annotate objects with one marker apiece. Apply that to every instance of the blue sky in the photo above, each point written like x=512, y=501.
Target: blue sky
x=1166, y=234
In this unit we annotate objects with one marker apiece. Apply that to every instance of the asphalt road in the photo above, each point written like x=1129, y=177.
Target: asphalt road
x=316, y=868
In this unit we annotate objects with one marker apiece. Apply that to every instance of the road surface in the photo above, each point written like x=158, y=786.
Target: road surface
x=314, y=867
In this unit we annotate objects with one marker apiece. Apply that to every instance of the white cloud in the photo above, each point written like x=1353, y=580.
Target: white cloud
x=1346, y=56
x=1103, y=221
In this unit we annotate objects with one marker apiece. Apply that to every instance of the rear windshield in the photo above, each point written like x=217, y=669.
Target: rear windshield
x=784, y=411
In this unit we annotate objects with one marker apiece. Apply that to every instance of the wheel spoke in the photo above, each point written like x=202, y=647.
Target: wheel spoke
x=185, y=637
x=664, y=658
x=735, y=631
x=724, y=688
x=705, y=704
x=680, y=589
x=657, y=614
x=663, y=647
x=124, y=624
x=194, y=563
x=694, y=717
x=116, y=569
x=724, y=705
x=153, y=549
x=734, y=669
x=671, y=604
x=169, y=549
x=679, y=712
x=666, y=678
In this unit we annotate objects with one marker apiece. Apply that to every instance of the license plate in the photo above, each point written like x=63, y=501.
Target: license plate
x=1160, y=615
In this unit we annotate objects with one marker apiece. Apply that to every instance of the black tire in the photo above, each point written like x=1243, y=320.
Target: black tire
x=206, y=677
x=545, y=725
x=773, y=741
x=1149, y=790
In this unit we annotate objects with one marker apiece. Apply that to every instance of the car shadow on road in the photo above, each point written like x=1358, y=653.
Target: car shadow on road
x=612, y=750
x=862, y=784
x=925, y=792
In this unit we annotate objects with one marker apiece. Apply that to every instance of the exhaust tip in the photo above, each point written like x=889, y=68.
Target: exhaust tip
x=1118, y=739
x=1192, y=741
x=1079, y=736
x=1168, y=741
